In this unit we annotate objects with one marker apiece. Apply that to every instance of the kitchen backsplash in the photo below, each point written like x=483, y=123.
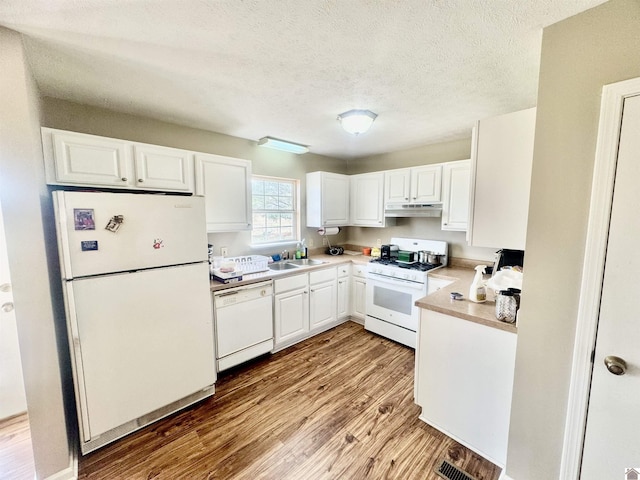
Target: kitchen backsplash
x=239, y=243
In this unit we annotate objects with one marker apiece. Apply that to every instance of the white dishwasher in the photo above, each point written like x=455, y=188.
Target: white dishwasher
x=244, y=323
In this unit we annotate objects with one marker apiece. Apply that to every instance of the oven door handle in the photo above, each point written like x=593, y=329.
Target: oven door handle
x=395, y=281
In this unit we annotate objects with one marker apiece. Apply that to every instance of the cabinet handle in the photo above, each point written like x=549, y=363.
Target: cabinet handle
x=124, y=179
x=306, y=293
x=140, y=180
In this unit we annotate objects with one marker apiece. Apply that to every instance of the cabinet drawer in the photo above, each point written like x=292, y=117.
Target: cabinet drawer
x=290, y=283
x=320, y=276
x=344, y=270
x=359, y=271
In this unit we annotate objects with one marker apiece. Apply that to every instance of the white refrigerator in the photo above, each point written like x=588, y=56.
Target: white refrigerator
x=138, y=307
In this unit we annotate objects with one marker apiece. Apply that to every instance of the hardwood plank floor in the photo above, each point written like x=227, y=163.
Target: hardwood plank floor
x=337, y=406
x=16, y=454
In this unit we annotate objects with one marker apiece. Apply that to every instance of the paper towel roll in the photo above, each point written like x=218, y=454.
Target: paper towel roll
x=329, y=231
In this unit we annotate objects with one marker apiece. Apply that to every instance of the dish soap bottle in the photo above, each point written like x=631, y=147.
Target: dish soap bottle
x=478, y=292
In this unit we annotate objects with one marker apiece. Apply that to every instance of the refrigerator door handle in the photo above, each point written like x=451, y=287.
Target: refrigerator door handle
x=61, y=233
x=76, y=362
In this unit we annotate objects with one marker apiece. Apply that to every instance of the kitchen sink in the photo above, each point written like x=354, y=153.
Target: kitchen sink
x=297, y=263
x=282, y=266
x=301, y=262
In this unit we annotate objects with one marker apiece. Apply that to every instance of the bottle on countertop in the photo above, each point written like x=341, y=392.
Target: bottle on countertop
x=478, y=291
x=298, y=251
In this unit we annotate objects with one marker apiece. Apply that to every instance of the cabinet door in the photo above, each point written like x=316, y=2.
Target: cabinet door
x=456, y=178
x=163, y=168
x=397, y=184
x=291, y=315
x=327, y=199
x=426, y=184
x=358, y=293
x=502, y=156
x=343, y=297
x=322, y=304
x=80, y=159
x=367, y=200
x=225, y=183
x=335, y=200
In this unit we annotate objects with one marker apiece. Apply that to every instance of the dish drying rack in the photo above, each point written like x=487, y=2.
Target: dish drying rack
x=250, y=263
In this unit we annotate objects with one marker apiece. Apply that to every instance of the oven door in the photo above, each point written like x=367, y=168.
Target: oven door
x=392, y=300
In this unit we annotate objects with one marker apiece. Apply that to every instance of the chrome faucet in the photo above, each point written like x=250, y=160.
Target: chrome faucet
x=284, y=255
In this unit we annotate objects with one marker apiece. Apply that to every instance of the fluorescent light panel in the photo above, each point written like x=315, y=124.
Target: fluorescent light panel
x=283, y=145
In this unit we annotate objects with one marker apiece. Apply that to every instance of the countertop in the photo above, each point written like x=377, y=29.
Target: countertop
x=329, y=260
x=440, y=301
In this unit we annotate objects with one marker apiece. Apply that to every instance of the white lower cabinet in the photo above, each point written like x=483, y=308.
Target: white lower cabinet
x=358, y=292
x=464, y=381
x=322, y=297
x=310, y=303
x=291, y=310
x=344, y=272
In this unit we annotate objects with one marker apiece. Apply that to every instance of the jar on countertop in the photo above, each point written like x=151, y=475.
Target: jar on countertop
x=506, y=306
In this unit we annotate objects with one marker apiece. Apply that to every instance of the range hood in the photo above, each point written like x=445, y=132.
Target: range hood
x=413, y=210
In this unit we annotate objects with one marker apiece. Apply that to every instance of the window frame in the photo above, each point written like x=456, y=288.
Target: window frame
x=295, y=183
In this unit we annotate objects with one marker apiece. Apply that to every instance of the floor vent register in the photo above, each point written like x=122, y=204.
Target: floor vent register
x=451, y=472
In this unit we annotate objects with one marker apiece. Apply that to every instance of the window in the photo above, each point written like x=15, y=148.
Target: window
x=275, y=210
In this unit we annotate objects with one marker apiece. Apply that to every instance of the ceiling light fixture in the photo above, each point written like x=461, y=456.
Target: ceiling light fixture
x=283, y=145
x=357, y=121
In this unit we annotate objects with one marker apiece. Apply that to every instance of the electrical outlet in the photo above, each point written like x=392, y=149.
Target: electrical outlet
x=378, y=243
x=310, y=243
x=224, y=251
x=325, y=241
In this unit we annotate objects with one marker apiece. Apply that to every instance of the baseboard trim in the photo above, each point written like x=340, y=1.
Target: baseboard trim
x=69, y=473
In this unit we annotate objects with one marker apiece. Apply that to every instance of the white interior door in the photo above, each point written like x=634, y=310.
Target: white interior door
x=12, y=396
x=613, y=422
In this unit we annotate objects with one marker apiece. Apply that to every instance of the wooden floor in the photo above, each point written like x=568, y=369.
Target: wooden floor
x=338, y=406
x=16, y=455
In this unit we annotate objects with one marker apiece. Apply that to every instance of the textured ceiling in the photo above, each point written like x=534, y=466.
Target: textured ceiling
x=287, y=68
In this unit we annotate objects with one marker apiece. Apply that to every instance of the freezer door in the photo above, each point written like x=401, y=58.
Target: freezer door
x=140, y=341
x=102, y=232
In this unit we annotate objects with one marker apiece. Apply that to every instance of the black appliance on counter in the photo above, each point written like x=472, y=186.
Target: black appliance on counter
x=388, y=252
x=508, y=258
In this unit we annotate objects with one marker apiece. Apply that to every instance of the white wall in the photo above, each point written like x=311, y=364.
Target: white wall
x=31, y=247
x=579, y=56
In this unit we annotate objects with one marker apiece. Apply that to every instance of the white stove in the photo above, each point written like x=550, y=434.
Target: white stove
x=393, y=288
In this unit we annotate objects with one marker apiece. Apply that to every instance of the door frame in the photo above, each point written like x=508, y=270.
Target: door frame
x=613, y=97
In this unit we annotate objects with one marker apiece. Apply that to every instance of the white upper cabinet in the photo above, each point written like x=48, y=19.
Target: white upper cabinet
x=413, y=185
x=456, y=178
x=502, y=155
x=225, y=183
x=327, y=199
x=163, y=168
x=397, y=185
x=367, y=200
x=426, y=184
x=80, y=159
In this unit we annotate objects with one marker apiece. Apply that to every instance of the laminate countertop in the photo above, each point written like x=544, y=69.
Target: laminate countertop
x=440, y=301
x=329, y=260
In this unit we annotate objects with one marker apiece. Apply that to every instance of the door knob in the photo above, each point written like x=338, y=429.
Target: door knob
x=615, y=365
x=7, y=307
